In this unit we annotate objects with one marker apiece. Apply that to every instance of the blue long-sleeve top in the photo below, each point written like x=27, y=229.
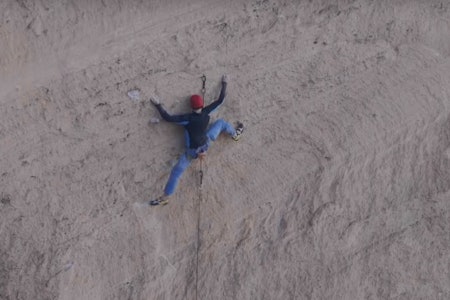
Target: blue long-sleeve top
x=195, y=124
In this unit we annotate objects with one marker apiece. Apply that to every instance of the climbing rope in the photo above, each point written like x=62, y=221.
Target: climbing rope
x=199, y=202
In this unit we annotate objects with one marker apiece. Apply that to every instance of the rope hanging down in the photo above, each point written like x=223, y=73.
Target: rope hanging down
x=200, y=200
x=199, y=203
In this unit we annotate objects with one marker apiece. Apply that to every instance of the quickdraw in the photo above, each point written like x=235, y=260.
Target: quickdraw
x=203, y=85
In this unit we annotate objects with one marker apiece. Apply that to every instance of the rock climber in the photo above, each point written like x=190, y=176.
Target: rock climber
x=198, y=136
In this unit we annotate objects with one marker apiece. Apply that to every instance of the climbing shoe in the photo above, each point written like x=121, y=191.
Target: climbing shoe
x=239, y=130
x=159, y=201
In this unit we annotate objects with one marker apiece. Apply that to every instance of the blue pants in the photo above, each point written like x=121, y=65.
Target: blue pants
x=185, y=160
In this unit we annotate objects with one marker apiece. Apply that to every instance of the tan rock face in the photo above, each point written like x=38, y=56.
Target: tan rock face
x=338, y=188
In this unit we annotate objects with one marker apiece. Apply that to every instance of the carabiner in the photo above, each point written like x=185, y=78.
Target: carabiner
x=203, y=84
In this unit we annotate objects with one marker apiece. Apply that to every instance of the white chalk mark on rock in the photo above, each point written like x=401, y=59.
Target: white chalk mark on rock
x=134, y=94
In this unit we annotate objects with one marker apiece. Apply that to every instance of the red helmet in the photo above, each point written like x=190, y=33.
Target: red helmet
x=196, y=101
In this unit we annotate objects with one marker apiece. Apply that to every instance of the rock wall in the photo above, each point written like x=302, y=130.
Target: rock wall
x=338, y=189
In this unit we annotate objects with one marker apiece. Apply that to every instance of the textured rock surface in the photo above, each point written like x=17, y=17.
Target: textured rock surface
x=339, y=189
